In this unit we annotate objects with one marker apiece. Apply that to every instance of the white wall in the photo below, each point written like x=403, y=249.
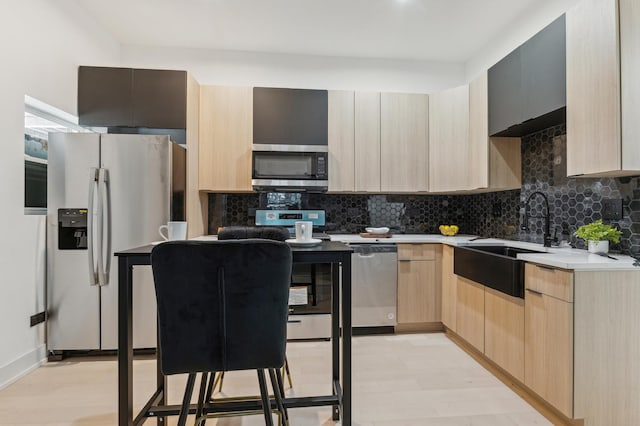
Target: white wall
x=42, y=43
x=216, y=67
x=527, y=25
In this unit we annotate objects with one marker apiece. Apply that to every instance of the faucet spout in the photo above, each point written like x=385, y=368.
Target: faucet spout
x=547, y=238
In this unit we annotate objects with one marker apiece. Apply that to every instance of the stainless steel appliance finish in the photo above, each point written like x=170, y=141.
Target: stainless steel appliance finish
x=128, y=186
x=310, y=297
x=290, y=168
x=374, y=280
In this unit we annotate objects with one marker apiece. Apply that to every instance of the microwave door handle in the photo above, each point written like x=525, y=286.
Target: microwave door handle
x=93, y=269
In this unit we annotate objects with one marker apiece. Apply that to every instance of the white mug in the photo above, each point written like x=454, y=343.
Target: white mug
x=304, y=230
x=175, y=231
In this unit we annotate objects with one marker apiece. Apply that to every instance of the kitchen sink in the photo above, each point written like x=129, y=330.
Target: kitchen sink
x=493, y=266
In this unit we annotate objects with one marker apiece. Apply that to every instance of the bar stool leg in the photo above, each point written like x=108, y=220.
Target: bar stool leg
x=279, y=396
x=186, y=400
x=264, y=394
x=285, y=369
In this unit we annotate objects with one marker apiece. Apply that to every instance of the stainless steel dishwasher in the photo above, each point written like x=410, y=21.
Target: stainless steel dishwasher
x=374, y=280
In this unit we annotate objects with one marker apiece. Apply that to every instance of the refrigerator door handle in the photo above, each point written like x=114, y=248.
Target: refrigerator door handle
x=93, y=268
x=100, y=233
x=106, y=188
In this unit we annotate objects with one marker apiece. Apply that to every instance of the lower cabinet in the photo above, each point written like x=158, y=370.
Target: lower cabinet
x=549, y=349
x=504, y=331
x=470, y=312
x=449, y=289
x=418, y=283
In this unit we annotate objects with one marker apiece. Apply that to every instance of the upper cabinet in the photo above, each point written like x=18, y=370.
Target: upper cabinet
x=341, y=141
x=126, y=97
x=289, y=116
x=494, y=164
x=226, y=117
x=603, y=90
x=449, y=140
x=527, y=88
x=367, y=142
x=404, y=151
x=462, y=157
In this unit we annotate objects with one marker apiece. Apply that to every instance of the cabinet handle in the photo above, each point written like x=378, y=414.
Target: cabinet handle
x=534, y=292
x=549, y=268
x=404, y=260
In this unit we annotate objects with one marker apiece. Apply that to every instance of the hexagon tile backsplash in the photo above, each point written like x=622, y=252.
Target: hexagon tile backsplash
x=573, y=202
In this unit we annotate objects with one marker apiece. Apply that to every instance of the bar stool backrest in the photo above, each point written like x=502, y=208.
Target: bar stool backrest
x=222, y=305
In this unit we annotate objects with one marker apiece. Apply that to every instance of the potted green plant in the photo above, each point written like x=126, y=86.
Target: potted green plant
x=597, y=235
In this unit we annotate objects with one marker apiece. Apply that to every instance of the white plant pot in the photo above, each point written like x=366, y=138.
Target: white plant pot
x=598, y=246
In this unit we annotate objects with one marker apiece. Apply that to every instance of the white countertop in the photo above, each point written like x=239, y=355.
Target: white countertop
x=565, y=258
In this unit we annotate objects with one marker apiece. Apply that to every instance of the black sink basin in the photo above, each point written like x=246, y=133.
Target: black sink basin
x=492, y=266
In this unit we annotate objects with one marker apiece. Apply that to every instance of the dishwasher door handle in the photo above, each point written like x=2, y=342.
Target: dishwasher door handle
x=365, y=256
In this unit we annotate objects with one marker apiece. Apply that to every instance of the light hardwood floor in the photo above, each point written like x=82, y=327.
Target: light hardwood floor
x=402, y=380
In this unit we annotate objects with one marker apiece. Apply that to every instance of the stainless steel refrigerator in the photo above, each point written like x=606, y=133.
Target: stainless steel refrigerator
x=105, y=193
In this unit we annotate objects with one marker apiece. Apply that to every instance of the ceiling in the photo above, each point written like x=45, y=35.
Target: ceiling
x=432, y=30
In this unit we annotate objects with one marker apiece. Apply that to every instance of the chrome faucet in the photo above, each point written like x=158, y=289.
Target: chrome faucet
x=547, y=238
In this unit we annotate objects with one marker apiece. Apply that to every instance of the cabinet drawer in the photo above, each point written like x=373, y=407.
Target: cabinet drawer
x=553, y=282
x=417, y=251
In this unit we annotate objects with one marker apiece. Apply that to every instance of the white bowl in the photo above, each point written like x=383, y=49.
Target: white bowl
x=382, y=230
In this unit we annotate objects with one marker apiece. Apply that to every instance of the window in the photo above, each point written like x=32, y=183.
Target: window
x=39, y=120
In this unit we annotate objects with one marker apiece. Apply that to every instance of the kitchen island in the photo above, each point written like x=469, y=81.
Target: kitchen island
x=336, y=253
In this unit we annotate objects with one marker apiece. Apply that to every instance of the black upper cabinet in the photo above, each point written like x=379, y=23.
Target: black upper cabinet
x=505, y=93
x=125, y=97
x=104, y=96
x=527, y=89
x=289, y=116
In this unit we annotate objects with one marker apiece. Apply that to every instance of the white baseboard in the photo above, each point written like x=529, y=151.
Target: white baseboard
x=22, y=366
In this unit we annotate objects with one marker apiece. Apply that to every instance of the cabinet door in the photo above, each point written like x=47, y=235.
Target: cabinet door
x=505, y=93
x=548, y=356
x=367, y=141
x=449, y=288
x=593, y=88
x=104, y=96
x=449, y=140
x=504, y=331
x=341, y=141
x=159, y=99
x=404, y=142
x=544, y=71
x=225, y=138
x=629, y=71
x=470, y=312
x=478, y=134
x=418, y=292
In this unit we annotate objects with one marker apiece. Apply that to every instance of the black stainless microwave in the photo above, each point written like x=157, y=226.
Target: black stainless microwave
x=290, y=168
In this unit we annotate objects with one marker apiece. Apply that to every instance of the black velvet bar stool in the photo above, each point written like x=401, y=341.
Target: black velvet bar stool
x=276, y=233
x=222, y=306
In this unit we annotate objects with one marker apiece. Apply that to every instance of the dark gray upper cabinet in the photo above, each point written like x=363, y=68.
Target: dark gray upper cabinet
x=289, y=116
x=104, y=96
x=159, y=99
x=125, y=97
x=527, y=89
x=505, y=93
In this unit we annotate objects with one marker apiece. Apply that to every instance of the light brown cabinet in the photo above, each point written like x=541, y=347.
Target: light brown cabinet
x=494, y=164
x=449, y=153
x=470, y=312
x=340, y=135
x=367, y=141
x=504, y=331
x=419, y=283
x=548, y=355
x=603, y=64
x=449, y=288
x=404, y=151
x=226, y=135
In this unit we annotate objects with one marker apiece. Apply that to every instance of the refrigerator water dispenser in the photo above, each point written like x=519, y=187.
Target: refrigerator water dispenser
x=72, y=229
